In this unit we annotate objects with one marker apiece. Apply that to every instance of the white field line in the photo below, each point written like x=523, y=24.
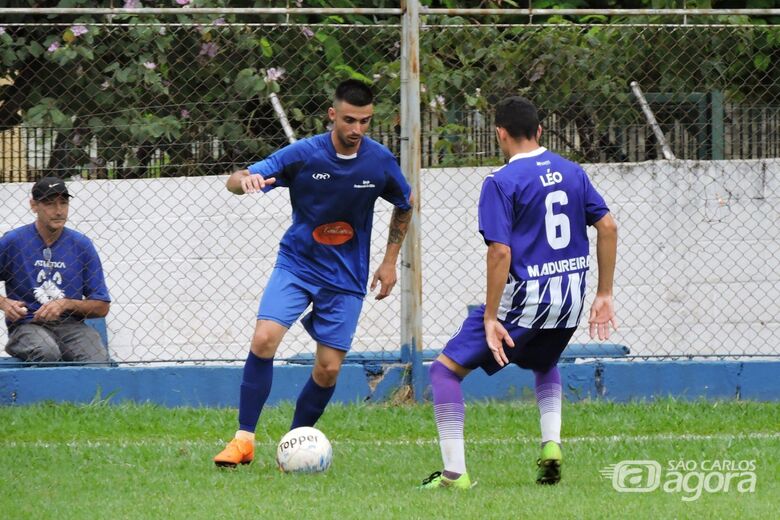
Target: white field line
x=612, y=439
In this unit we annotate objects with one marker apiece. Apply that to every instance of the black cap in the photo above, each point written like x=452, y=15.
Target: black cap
x=49, y=187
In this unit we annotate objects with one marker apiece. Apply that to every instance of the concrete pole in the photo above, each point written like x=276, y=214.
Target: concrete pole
x=411, y=262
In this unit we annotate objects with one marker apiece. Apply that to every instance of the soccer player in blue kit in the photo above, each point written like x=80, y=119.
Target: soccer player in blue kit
x=533, y=215
x=334, y=180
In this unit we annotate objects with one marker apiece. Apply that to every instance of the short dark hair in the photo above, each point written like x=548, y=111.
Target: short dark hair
x=518, y=116
x=354, y=92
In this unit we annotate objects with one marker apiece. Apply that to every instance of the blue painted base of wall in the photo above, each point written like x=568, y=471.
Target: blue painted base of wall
x=618, y=381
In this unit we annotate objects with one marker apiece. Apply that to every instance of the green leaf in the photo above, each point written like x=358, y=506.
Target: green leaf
x=124, y=75
x=352, y=73
x=265, y=45
x=95, y=124
x=86, y=53
x=36, y=49
x=60, y=120
x=248, y=83
x=9, y=57
x=761, y=61
x=332, y=50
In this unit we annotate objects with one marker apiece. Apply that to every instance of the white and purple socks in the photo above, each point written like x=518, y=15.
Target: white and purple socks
x=450, y=411
x=548, y=397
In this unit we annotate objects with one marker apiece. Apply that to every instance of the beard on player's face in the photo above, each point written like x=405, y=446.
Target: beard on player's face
x=348, y=139
x=350, y=122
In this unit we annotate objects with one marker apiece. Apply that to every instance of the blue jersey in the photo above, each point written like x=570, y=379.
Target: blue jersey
x=332, y=198
x=540, y=205
x=36, y=274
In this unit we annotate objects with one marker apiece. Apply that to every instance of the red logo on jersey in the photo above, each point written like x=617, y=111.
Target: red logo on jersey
x=333, y=234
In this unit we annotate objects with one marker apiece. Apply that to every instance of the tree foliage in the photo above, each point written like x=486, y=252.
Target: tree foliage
x=194, y=90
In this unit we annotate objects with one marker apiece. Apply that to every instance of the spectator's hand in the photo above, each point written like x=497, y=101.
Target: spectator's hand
x=602, y=315
x=496, y=335
x=255, y=183
x=385, y=275
x=51, y=311
x=13, y=309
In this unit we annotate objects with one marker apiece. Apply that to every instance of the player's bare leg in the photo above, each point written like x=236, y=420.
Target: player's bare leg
x=255, y=387
x=317, y=392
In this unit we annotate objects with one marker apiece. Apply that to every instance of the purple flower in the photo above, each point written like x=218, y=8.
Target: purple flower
x=2, y=29
x=150, y=65
x=132, y=4
x=274, y=74
x=185, y=114
x=208, y=49
x=53, y=47
x=182, y=2
x=78, y=30
x=218, y=21
x=437, y=102
x=307, y=32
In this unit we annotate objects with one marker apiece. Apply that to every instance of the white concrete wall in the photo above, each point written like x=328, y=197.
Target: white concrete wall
x=698, y=267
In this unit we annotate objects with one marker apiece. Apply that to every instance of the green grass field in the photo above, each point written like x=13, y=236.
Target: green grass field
x=130, y=461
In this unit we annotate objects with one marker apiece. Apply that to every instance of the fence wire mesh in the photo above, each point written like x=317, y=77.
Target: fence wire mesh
x=144, y=120
x=698, y=249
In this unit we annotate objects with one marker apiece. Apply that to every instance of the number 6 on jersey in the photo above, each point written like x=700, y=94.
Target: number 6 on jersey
x=553, y=221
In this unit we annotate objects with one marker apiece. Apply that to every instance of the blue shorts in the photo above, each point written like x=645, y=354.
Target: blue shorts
x=535, y=349
x=332, y=320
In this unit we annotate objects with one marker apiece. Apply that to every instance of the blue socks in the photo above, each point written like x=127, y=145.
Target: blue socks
x=311, y=403
x=255, y=387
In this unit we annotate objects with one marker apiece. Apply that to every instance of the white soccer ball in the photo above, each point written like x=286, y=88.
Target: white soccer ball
x=304, y=450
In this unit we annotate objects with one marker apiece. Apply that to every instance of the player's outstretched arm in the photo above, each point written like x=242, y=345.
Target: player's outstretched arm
x=602, y=312
x=242, y=182
x=386, y=274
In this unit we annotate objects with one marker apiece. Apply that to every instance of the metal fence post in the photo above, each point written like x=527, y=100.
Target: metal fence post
x=411, y=269
x=716, y=125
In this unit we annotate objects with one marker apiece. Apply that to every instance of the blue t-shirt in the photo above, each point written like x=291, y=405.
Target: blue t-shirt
x=540, y=205
x=34, y=274
x=332, y=196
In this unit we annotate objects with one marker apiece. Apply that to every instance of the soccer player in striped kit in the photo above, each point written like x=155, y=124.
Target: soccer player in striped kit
x=533, y=216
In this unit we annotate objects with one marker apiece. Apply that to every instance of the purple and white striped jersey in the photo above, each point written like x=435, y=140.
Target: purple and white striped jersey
x=540, y=204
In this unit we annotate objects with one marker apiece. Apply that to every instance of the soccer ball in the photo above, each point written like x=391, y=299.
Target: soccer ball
x=304, y=450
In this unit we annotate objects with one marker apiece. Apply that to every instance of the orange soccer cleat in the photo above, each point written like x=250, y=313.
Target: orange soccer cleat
x=238, y=451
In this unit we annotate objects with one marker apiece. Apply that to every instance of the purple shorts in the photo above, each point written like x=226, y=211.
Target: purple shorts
x=535, y=349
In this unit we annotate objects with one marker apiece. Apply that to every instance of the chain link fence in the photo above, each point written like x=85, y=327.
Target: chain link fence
x=145, y=119
x=698, y=254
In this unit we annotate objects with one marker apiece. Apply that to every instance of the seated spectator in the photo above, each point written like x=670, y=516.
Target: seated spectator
x=53, y=282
